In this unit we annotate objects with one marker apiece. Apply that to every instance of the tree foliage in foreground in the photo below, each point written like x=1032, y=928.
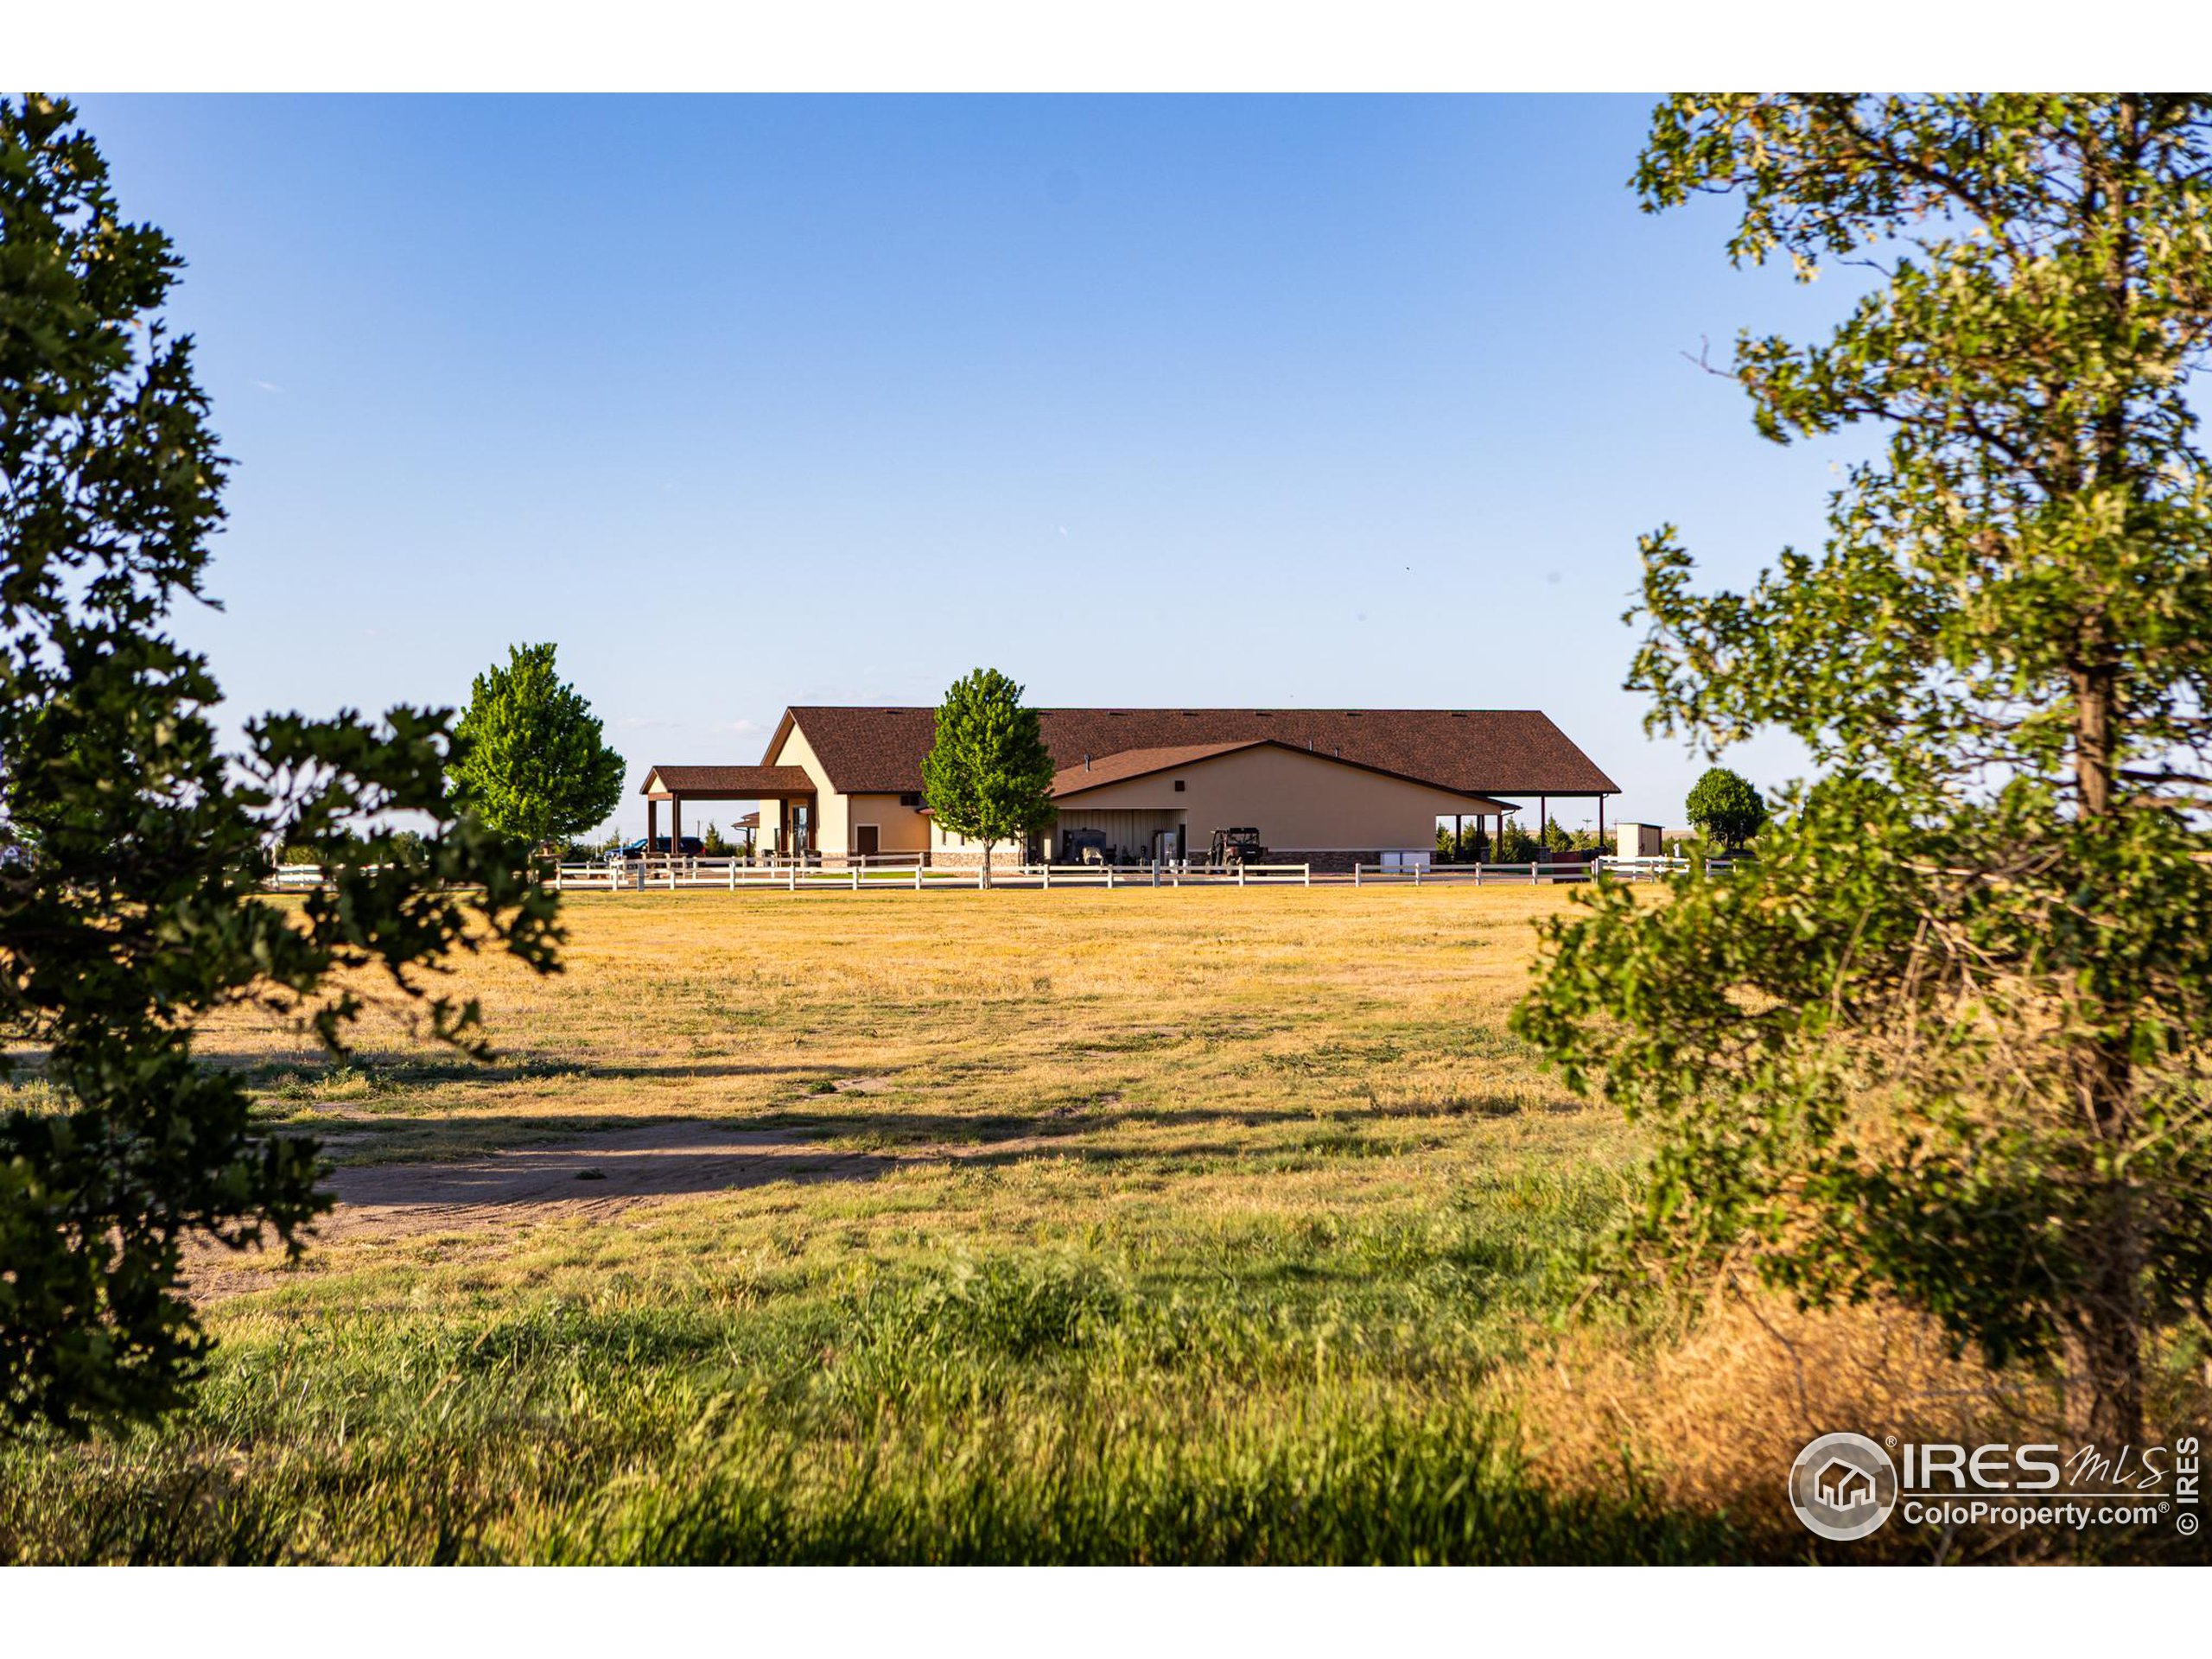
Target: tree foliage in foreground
x=532, y=759
x=987, y=775
x=1948, y=1041
x=1724, y=805
x=131, y=846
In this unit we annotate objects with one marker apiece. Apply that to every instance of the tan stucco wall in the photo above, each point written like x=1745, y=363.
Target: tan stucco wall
x=830, y=819
x=900, y=829
x=1296, y=800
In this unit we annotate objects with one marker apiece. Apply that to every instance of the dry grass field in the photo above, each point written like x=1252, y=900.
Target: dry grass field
x=1155, y=1225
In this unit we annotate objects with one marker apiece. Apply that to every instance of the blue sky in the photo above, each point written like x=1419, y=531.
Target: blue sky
x=749, y=402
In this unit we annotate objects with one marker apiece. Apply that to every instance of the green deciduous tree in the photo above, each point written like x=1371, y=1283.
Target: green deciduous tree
x=1723, y=806
x=1947, y=1042
x=131, y=847
x=988, y=776
x=532, y=759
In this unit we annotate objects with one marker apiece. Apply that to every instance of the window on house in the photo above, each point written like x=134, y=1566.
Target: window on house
x=910, y=799
x=1179, y=786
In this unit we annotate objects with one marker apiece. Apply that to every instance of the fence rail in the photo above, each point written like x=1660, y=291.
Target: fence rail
x=893, y=871
x=1474, y=874
x=1536, y=874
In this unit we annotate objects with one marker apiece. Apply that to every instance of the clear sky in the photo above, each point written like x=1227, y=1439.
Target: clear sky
x=750, y=402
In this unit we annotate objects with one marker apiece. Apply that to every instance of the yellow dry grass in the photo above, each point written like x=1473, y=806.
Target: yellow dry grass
x=1286, y=1127
x=1173, y=1017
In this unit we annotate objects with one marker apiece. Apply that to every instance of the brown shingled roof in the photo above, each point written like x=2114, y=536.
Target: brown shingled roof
x=1141, y=763
x=730, y=783
x=1472, y=751
x=1103, y=769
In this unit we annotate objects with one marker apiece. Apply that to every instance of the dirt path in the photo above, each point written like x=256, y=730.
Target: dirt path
x=597, y=1176
x=600, y=1173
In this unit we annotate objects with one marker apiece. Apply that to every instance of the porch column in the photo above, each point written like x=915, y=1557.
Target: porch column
x=675, y=826
x=652, y=819
x=1601, y=823
x=1459, y=834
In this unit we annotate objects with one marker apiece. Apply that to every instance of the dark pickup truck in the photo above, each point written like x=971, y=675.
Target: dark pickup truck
x=688, y=847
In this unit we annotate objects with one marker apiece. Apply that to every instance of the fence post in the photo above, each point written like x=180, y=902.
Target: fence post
x=1418, y=868
x=1240, y=872
x=1356, y=867
x=1110, y=878
x=1532, y=873
x=918, y=873
x=733, y=875
x=1048, y=875
x=1307, y=871
x=1155, y=872
x=856, y=878
x=791, y=876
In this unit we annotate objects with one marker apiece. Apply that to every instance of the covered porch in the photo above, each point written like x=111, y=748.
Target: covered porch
x=790, y=788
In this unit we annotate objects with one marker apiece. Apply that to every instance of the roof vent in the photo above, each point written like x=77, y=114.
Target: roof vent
x=1086, y=759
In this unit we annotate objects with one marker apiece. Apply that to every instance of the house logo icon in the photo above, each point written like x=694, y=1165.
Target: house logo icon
x=1843, y=1486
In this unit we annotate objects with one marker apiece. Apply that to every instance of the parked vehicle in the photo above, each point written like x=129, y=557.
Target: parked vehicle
x=1236, y=847
x=1083, y=847
x=688, y=847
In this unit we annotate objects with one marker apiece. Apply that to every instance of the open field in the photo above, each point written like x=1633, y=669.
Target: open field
x=1151, y=1226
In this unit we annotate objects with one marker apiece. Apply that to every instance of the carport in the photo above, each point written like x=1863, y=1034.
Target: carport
x=791, y=787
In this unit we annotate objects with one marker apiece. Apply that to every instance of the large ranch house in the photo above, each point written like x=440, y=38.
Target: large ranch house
x=1323, y=786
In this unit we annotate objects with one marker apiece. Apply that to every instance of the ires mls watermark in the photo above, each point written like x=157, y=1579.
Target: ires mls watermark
x=1846, y=1486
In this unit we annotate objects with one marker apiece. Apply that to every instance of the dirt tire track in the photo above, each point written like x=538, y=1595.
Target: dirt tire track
x=598, y=1177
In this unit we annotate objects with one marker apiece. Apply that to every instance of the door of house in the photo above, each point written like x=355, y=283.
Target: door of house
x=867, y=838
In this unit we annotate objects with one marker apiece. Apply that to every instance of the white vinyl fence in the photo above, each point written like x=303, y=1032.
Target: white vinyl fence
x=895, y=872
x=1533, y=875
x=860, y=873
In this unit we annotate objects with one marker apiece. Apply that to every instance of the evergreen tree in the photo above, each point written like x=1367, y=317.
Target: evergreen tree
x=1948, y=1041
x=134, y=848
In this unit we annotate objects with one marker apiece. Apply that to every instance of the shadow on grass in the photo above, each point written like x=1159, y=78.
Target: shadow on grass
x=259, y=1071
x=468, y=1163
